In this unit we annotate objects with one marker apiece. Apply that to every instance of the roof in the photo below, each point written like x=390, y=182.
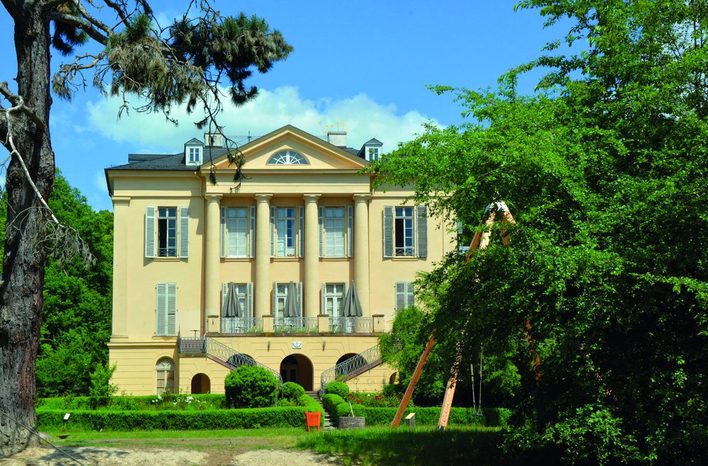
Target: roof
x=166, y=161
x=373, y=142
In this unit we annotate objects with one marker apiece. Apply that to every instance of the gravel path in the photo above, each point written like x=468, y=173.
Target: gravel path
x=140, y=457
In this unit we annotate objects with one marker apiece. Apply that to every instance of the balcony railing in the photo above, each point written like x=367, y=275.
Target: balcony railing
x=351, y=324
x=295, y=325
x=241, y=325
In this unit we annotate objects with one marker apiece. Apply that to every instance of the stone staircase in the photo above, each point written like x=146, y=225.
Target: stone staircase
x=327, y=421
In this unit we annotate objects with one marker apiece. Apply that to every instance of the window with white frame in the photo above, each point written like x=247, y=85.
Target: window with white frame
x=237, y=231
x=165, y=376
x=333, y=231
x=281, y=291
x=405, y=295
x=166, y=309
x=194, y=155
x=372, y=154
x=166, y=231
x=332, y=299
x=243, y=295
x=285, y=226
x=405, y=231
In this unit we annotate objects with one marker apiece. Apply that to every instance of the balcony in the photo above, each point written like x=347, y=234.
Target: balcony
x=295, y=325
x=241, y=325
x=344, y=325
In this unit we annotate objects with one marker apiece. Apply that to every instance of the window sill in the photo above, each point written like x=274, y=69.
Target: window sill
x=335, y=259
x=405, y=258
x=285, y=258
x=237, y=259
x=166, y=259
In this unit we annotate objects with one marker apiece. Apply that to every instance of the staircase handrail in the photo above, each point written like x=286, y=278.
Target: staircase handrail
x=368, y=357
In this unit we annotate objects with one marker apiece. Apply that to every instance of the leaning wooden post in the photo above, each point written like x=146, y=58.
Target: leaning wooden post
x=414, y=380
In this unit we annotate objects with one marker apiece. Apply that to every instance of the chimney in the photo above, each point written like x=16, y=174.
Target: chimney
x=337, y=138
x=214, y=139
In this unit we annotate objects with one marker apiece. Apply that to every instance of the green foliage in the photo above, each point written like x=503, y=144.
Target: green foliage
x=330, y=402
x=136, y=403
x=102, y=390
x=76, y=320
x=337, y=388
x=173, y=419
x=604, y=173
x=291, y=391
x=251, y=387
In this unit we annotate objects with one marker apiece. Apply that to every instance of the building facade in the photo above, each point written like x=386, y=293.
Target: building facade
x=297, y=266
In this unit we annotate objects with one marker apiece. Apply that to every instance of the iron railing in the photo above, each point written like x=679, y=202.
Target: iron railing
x=295, y=325
x=220, y=351
x=241, y=325
x=351, y=324
x=345, y=369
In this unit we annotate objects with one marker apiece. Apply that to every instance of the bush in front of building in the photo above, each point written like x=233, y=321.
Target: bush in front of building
x=248, y=418
x=135, y=403
x=338, y=388
x=291, y=391
x=251, y=387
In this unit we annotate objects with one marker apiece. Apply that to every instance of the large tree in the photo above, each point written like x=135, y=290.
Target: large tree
x=127, y=52
x=595, y=316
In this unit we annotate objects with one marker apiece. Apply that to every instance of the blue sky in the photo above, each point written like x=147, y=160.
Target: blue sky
x=361, y=66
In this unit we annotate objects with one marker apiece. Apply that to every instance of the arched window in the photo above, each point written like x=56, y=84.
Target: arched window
x=287, y=157
x=165, y=373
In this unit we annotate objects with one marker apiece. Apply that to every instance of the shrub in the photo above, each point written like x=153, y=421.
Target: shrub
x=95, y=420
x=102, y=390
x=330, y=402
x=338, y=388
x=291, y=391
x=251, y=387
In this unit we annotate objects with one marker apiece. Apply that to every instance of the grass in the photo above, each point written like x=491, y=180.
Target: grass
x=423, y=445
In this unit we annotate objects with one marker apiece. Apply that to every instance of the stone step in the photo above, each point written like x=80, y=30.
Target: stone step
x=327, y=420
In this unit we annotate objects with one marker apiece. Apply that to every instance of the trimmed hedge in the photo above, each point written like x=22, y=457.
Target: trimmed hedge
x=251, y=387
x=338, y=388
x=291, y=391
x=330, y=402
x=167, y=401
x=174, y=420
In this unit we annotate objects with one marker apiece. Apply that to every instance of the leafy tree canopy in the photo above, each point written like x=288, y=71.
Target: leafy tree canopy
x=604, y=169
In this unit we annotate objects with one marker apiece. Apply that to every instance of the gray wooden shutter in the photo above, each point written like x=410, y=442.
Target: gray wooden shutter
x=350, y=231
x=388, y=231
x=323, y=306
x=299, y=298
x=222, y=236
x=400, y=296
x=252, y=232
x=301, y=232
x=224, y=290
x=273, y=239
x=274, y=302
x=149, y=232
x=161, y=309
x=171, y=309
x=249, y=299
x=184, y=232
x=422, y=231
x=321, y=229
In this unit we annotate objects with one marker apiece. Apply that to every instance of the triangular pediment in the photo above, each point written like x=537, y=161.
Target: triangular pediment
x=290, y=148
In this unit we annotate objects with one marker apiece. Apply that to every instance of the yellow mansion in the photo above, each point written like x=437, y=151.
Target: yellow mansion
x=297, y=268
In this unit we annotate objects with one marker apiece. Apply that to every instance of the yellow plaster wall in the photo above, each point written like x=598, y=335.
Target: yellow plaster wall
x=372, y=380
x=135, y=364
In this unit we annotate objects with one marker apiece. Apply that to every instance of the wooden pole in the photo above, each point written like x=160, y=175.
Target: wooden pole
x=414, y=380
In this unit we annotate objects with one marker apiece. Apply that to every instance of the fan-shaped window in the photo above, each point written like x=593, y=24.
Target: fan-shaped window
x=287, y=157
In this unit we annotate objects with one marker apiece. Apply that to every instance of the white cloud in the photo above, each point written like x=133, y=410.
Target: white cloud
x=361, y=116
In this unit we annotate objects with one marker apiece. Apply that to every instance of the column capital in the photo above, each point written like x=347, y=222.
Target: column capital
x=213, y=196
x=362, y=197
x=311, y=197
x=263, y=197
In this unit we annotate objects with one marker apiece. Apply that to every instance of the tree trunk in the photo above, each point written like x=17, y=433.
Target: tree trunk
x=25, y=251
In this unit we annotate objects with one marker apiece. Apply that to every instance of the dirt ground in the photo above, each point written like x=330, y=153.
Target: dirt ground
x=211, y=454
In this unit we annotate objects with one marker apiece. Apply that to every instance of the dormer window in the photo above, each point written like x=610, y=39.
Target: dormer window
x=371, y=150
x=372, y=153
x=287, y=157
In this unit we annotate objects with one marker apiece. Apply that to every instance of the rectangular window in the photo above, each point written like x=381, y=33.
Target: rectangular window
x=373, y=153
x=167, y=232
x=237, y=229
x=285, y=231
x=194, y=156
x=405, y=295
x=333, y=298
x=281, y=291
x=334, y=232
x=166, y=311
x=403, y=230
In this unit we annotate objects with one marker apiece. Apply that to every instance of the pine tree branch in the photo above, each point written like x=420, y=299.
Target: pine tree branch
x=100, y=36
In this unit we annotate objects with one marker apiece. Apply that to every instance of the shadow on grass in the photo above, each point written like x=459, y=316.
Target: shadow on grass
x=395, y=447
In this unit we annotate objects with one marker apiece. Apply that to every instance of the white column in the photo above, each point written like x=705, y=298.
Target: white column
x=311, y=304
x=212, y=259
x=263, y=239
x=361, y=250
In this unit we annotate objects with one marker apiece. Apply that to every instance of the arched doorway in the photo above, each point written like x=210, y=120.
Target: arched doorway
x=297, y=368
x=201, y=384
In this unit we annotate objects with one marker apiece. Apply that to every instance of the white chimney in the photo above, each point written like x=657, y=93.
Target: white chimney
x=214, y=139
x=337, y=138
